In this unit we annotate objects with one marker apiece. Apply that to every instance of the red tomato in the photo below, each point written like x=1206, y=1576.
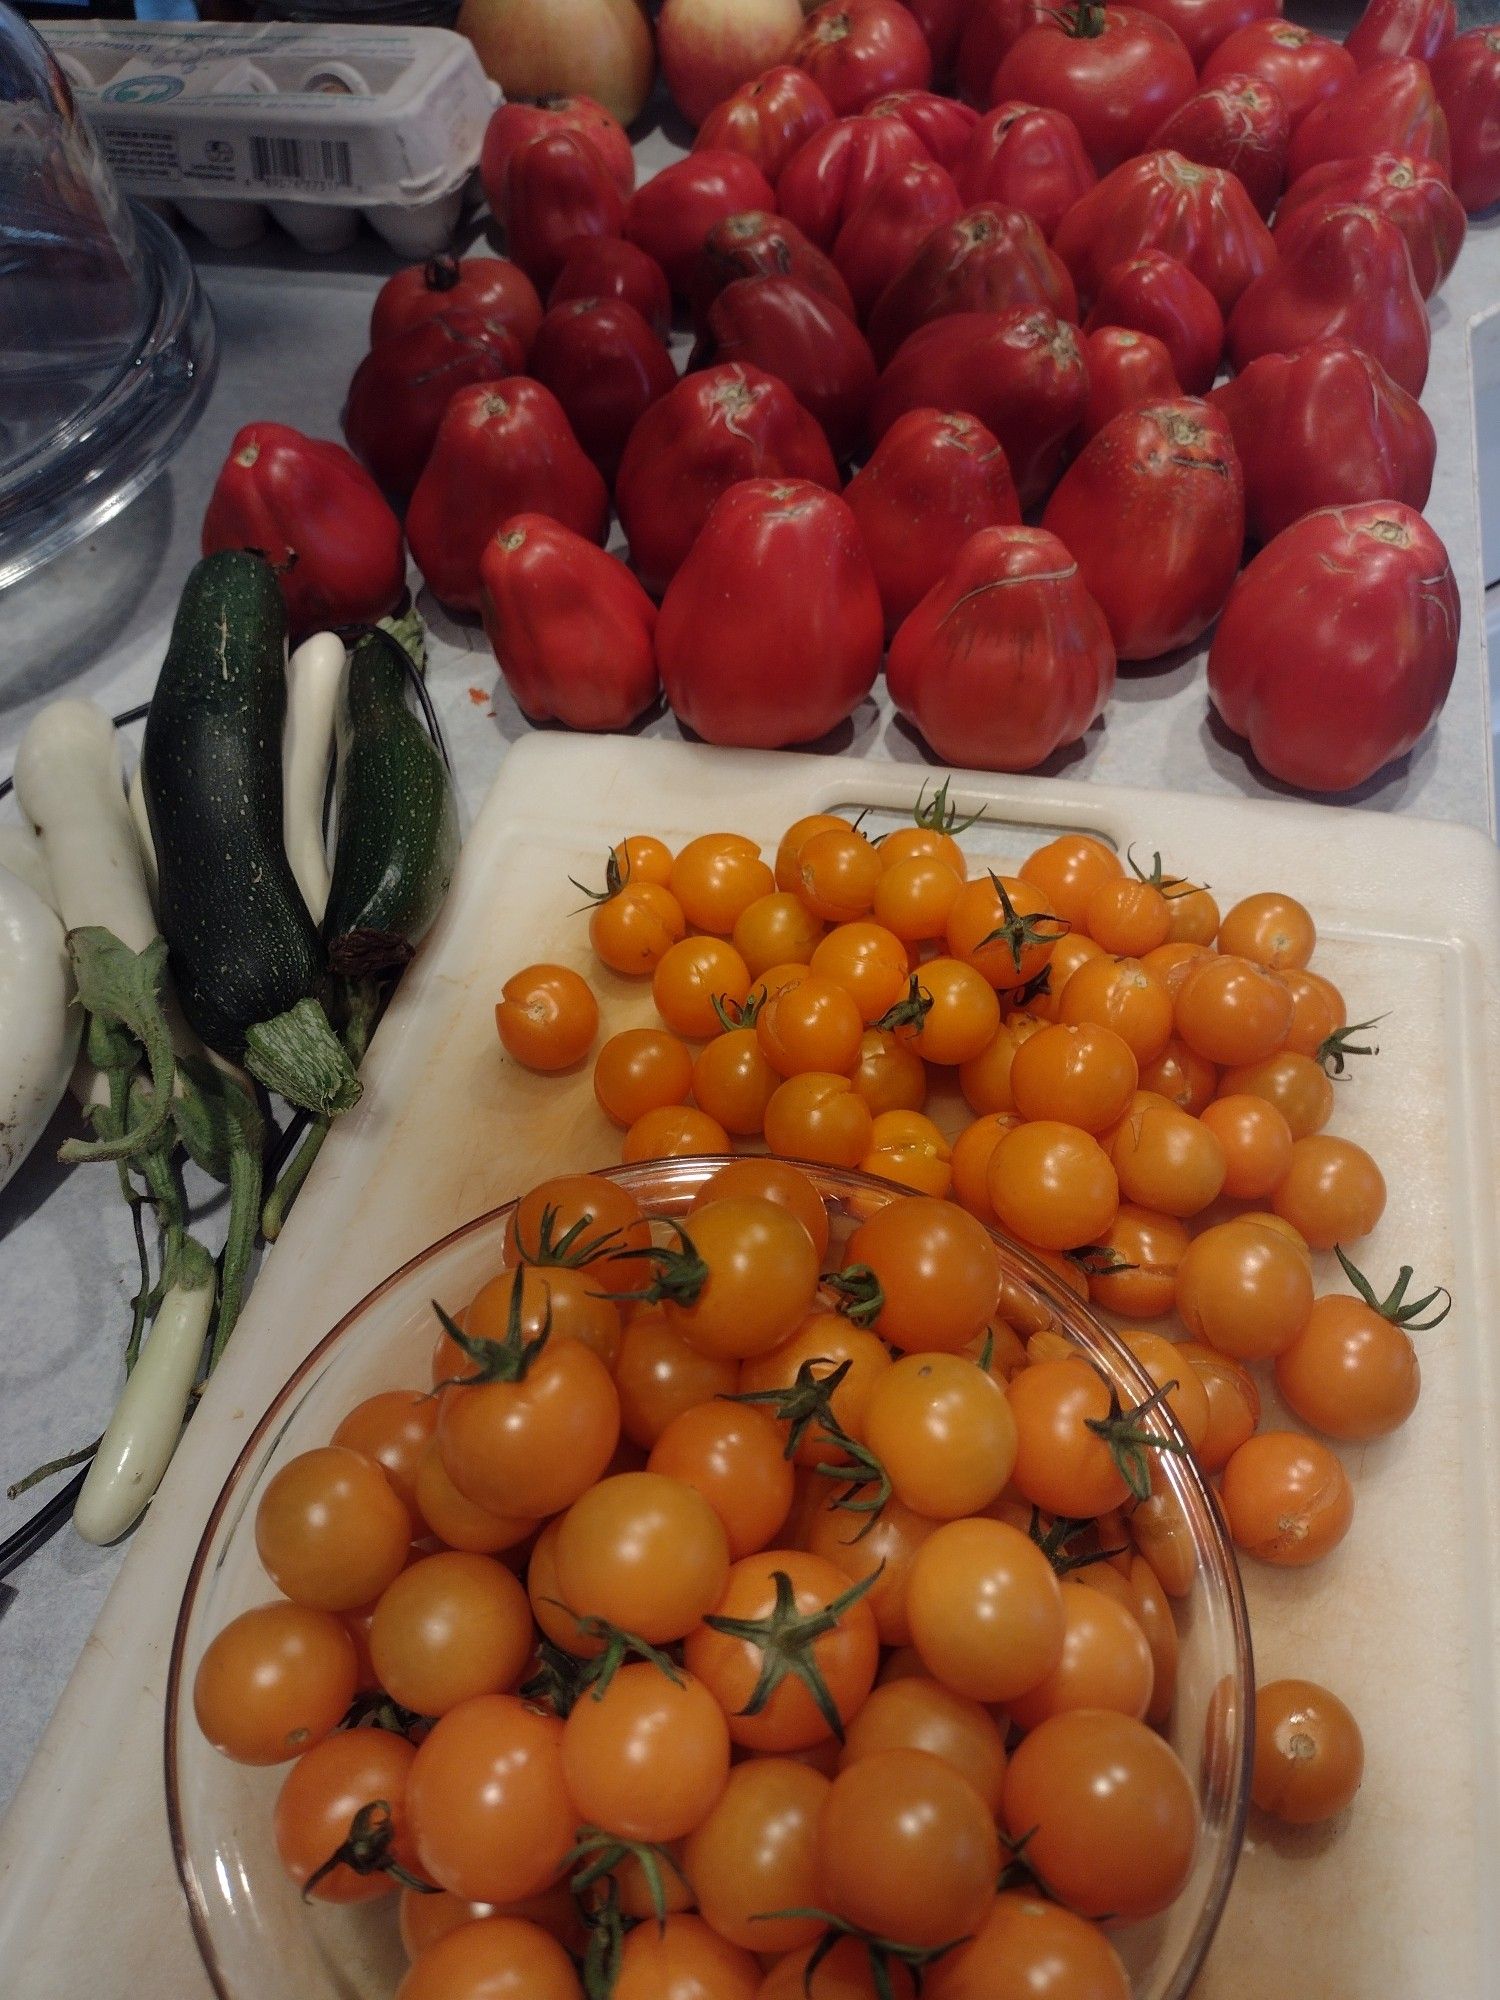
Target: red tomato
x=1344, y=272
x=1153, y=509
x=1157, y=294
x=401, y=389
x=890, y=224
x=934, y=479
x=1116, y=71
x=1414, y=194
x=1200, y=215
x=825, y=178
x=716, y=428
x=605, y=367
x=942, y=24
x=758, y=244
x=1466, y=77
x=767, y=119
x=502, y=448
x=1240, y=124
x=1301, y=67
x=1020, y=372
x=318, y=518
x=1007, y=657
x=1390, y=108
x=1203, y=24
x=944, y=126
x=1420, y=28
x=771, y=631
x=491, y=286
x=607, y=267
x=514, y=123
x=784, y=327
x=984, y=260
x=1324, y=427
x=1337, y=645
x=1125, y=370
x=1027, y=157
x=570, y=626
x=672, y=214
x=556, y=189
x=992, y=28
x=857, y=50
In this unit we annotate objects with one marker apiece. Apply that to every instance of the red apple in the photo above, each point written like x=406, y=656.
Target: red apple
x=708, y=48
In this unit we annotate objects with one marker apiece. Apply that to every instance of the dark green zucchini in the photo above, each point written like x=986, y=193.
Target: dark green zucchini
x=397, y=839
x=242, y=946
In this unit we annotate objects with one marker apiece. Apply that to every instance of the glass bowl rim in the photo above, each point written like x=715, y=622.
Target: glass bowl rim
x=1181, y=1467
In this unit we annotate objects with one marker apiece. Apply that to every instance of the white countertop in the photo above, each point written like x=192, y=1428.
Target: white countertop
x=96, y=622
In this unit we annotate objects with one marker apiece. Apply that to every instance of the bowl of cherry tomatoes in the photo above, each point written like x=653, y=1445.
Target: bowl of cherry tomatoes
x=721, y=1576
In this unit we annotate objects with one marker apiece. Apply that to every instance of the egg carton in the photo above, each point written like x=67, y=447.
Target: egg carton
x=317, y=127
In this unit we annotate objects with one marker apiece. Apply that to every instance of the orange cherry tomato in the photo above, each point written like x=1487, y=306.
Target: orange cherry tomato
x=394, y=1428
x=1120, y=993
x=757, y=1851
x=1027, y=1946
x=1068, y=870
x=449, y=1627
x=814, y=1025
x=1062, y=1466
x=1183, y=1078
x=681, y=1960
x=1232, y=1011
x=1164, y=1159
x=1084, y=1076
x=1287, y=1499
x=792, y=841
x=1294, y=1083
x=1244, y=1290
x=960, y=1012
x=1192, y=913
x=602, y=1217
x=690, y=976
x=824, y=1342
x=640, y=1070
x=1105, y=1662
x=1186, y=1397
x=775, y=929
x=819, y=1116
x=347, y=1774
x=753, y=1271
x=908, y=1148
x=1134, y=1273
x=1256, y=1142
x=547, y=1017
x=1309, y=1754
x=923, y=841
x=565, y=1302
x=717, y=876
x=869, y=962
x=1317, y=1011
x=888, y=1073
x=456, y=1520
x=837, y=874
x=1173, y=961
x=732, y=1455
x=1153, y=1614
x=883, y=1546
x=916, y=1713
x=643, y=1552
x=673, y=1132
x=973, y=1150
x=660, y=1373
x=1269, y=929
x=1332, y=1191
x=914, y=897
x=641, y=857
x=944, y=1433
x=1000, y=925
x=733, y=1082
x=554, y=1620
x=632, y=931
x=1233, y=1403
x=488, y=1800
x=771, y=1180
x=938, y=1271
x=985, y=1078
x=1351, y=1372
x=1053, y=1185
x=274, y=1681
x=1127, y=917
x=842, y=1974
x=330, y=1530
x=648, y=1756
x=985, y=1609
x=500, y=1954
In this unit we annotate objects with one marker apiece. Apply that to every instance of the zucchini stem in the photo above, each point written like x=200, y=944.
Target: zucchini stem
x=298, y=1055
x=362, y=999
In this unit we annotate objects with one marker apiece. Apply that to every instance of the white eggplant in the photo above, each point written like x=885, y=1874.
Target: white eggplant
x=21, y=852
x=39, y=1025
x=314, y=675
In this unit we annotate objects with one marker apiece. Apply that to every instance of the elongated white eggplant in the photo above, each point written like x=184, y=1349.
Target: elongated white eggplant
x=39, y=1026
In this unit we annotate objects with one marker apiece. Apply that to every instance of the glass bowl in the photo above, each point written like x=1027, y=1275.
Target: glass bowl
x=260, y=1941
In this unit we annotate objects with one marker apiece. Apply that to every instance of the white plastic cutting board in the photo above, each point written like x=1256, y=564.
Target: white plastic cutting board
x=1397, y=1902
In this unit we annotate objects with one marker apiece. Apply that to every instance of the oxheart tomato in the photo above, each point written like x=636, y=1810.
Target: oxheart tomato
x=936, y=478
x=1024, y=156
x=1154, y=293
x=1240, y=124
x=607, y=267
x=670, y=216
x=1324, y=427
x=716, y=428
x=990, y=32
x=1337, y=646
x=1344, y=272
x=1153, y=508
x=606, y=367
x=1021, y=372
x=502, y=448
x=857, y=50
x=1007, y=657
x=942, y=24
x=1413, y=194
x=827, y=177
x=1125, y=370
x=770, y=633
x=556, y=189
x=758, y=244
x=890, y=225
x=793, y=333
x=1388, y=28
x=1466, y=77
x=310, y=508
x=519, y=120
x=401, y=388
x=985, y=260
x=1116, y=72
x=944, y=126
x=1200, y=215
x=1389, y=108
x=570, y=627
x=1201, y=25
x=493, y=286
x=766, y=119
x=1301, y=67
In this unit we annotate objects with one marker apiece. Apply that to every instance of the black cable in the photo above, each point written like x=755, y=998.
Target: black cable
x=43, y=1525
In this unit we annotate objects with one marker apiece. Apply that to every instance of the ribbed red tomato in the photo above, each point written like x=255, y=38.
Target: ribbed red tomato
x=944, y=126
x=606, y=367
x=670, y=217
x=1007, y=658
x=825, y=179
x=1388, y=28
x=1153, y=508
x=890, y=225
x=493, y=286
x=989, y=33
x=1239, y=123
x=1414, y=194
x=1301, y=67
x=556, y=189
x=1388, y=108
x=857, y=50
x=1126, y=369
x=519, y=120
x=759, y=244
x=985, y=260
x=936, y=478
x=790, y=331
x=1116, y=71
x=767, y=119
x=1466, y=77
x=401, y=389
x=1024, y=156
x=1337, y=646
x=1154, y=293
x=1202, y=25
x=1324, y=427
x=607, y=267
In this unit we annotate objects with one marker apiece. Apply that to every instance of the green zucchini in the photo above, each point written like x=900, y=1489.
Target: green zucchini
x=397, y=839
x=245, y=954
